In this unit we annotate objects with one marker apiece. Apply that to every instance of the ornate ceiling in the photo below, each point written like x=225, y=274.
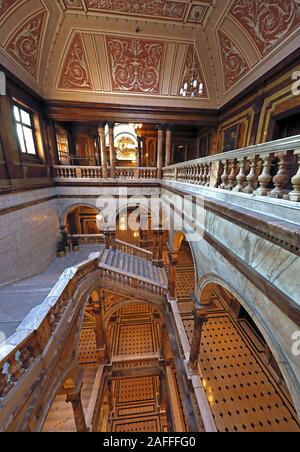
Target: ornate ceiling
x=139, y=52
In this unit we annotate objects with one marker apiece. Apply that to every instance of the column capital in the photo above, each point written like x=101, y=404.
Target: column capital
x=102, y=125
x=111, y=124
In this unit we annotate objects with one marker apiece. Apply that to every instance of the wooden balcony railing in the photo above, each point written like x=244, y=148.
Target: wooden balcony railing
x=95, y=172
x=268, y=169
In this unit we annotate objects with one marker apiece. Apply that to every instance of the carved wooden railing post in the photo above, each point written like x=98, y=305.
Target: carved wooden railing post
x=295, y=194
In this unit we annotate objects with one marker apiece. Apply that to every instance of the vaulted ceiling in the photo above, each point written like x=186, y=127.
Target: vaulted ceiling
x=139, y=52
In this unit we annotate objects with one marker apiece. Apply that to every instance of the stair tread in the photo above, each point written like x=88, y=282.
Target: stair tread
x=135, y=265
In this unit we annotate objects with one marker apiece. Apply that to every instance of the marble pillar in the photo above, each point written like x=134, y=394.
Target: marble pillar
x=199, y=320
x=160, y=146
x=168, y=146
x=101, y=131
x=112, y=152
x=75, y=400
x=173, y=261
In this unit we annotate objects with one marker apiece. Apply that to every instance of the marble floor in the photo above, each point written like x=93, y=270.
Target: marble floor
x=17, y=300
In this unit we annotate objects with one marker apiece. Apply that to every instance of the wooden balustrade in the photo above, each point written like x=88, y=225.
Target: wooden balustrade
x=95, y=172
x=133, y=250
x=19, y=352
x=268, y=169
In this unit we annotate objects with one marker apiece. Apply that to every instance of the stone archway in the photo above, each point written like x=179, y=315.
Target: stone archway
x=246, y=343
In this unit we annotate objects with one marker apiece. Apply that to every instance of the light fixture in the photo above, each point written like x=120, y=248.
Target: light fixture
x=193, y=87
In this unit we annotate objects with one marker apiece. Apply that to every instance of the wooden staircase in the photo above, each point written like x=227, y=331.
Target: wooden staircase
x=133, y=266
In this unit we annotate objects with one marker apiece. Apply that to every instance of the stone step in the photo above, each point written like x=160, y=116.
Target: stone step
x=128, y=263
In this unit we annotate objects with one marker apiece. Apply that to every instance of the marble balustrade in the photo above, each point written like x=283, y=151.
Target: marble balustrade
x=268, y=169
x=95, y=172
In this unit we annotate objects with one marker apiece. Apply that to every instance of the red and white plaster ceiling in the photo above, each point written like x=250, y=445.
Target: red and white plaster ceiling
x=139, y=52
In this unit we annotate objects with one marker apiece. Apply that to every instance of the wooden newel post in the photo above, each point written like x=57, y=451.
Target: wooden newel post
x=200, y=319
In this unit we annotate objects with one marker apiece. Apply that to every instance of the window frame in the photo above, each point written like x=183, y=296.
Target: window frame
x=32, y=127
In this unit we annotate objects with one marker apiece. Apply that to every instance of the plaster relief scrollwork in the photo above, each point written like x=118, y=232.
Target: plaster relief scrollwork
x=135, y=65
x=266, y=21
x=235, y=65
x=24, y=45
x=75, y=73
x=156, y=8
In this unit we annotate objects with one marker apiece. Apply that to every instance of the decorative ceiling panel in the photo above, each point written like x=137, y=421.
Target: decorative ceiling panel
x=75, y=70
x=192, y=69
x=5, y=6
x=89, y=50
x=235, y=64
x=152, y=8
x=267, y=22
x=158, y=9
x=73, y=4
x=24, y=46
x=135, y=64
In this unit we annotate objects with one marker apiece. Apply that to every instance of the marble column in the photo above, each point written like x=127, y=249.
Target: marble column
x=75, y=400
x=158, y=247
x=160, y=146
x=163, y=343
x=168, y=146
x=199, y=320
x=99, y=332
x=139, y=153
x=101, y=131
x=112, y=152
x=173, y=261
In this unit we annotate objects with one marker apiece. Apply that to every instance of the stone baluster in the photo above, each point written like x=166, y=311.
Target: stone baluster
x=252, y=178
x=14, y=369
x=282, y=176
x=265, y=177
x=224, y=177
x=295, y=194
x=241, y=177
x=208, y=175
x=5, y=386
x=232, y=176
